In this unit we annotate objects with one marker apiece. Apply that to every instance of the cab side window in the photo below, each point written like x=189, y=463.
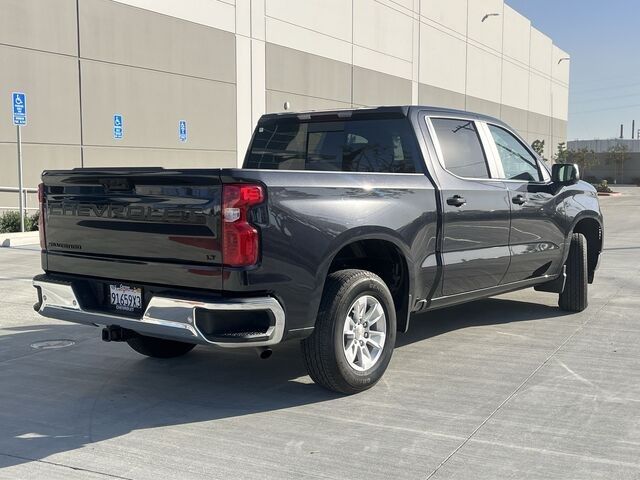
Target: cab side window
x=517, y=162
x=462, y=152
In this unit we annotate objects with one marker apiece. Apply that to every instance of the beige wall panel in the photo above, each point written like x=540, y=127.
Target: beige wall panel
x=560, y=101
x=213, y=13
x=439, y=97
x=559, y=133
x=489, y=32
x=550, y=146
x=9, y=201
x=442, y=59
x=515, y=85
x=51, y=84
x=541, y=52
x=36, y=158
x=156, y=157
x=539, y=124
x=539, y=94
x=449, y=13
x=243, y=17
x=515, y=118
x=479, y=105
x=244, y=122
x=560, y=129
x=484, y=74
x=40, y=24
x=258, y=79
x=375, y=88
x=560, y=69
x=381, y=62
x=331, y=17
x=305, y=40
x=382, y=29
x=152, y=103
x=289, y=70
x=110, y=31
x=517, y=35
x=258, y=29
x=275, y=102
x=410, y=5
x=528, y=137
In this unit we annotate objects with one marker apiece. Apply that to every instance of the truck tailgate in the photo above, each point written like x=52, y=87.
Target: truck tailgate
x=141, y=225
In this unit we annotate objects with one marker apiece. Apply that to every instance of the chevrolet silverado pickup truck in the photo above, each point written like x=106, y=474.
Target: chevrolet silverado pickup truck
x=337, y=229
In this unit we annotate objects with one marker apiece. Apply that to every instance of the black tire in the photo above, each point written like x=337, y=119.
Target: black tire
x=574, y=296
x=159, y=347
x=323, y=351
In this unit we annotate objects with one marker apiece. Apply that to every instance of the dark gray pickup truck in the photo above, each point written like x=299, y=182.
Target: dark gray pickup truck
x=339, y=226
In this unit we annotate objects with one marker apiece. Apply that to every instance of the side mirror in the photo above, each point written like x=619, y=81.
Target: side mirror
x=565, y=173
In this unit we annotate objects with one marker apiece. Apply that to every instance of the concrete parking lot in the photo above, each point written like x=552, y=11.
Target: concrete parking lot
x=508, y=387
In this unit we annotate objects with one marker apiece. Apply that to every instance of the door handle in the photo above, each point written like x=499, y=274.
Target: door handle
x=456, y=201
x=519, y=200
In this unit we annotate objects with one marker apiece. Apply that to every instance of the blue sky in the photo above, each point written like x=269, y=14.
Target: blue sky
x=603, y=39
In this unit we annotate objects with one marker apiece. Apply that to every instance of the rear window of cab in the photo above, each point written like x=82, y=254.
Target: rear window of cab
x=371, y=145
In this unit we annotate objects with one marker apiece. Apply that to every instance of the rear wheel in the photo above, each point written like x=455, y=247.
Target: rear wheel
x=159, y=347
x=574, y=296
x=355, y=332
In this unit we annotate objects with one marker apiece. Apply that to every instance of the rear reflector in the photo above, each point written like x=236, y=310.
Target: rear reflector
x=42, y=211
x=240, y=239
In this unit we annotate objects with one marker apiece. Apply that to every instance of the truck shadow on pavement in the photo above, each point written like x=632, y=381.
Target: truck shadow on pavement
x=57, y=401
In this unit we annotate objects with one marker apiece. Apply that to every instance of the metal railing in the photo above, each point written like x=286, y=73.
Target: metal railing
x=17, y=191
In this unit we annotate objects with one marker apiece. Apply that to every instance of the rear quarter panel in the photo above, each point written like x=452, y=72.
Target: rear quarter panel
x=312, y=215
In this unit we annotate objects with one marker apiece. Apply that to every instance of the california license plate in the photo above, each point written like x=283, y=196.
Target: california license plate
x=125, y=298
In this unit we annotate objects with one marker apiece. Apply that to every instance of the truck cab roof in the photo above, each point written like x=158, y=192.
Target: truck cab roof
x=368, y=112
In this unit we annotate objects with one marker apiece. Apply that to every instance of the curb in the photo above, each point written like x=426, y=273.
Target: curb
x=19, y=239
x=612, y=194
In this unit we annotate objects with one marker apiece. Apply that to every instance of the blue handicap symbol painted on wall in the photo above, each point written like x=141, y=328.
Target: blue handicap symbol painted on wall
x=19, y=101
x=182, y=130
x=118, y=130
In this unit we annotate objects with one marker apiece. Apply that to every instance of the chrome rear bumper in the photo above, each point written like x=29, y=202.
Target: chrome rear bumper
x=164, y=317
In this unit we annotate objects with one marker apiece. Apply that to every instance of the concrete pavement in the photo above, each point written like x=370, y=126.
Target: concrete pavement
x=508, y=387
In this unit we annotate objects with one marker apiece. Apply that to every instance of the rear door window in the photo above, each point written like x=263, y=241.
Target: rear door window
x=462, y=152
x=373, y=145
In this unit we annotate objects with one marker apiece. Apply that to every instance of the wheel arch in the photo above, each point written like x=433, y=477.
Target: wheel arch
x=590, y=225
x=384, y=254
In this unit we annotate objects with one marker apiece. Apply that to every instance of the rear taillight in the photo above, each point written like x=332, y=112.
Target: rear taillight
x=240, y=239
x=42, y=205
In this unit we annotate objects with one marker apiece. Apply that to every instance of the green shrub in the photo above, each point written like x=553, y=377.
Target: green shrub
x=604, y=187
x=31, y=222
x=10, y=222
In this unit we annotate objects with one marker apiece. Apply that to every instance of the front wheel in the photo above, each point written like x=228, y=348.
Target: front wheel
x=159, y=347
x=574, y=296
x=355, y=332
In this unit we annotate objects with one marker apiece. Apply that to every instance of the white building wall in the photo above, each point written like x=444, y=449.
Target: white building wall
x=478, y=54
x=243, y=58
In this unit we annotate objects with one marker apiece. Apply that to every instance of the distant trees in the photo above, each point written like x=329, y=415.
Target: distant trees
x=617, y=156
x=586, y=158
x=538, y=147
x=562, y=156
x=583, y=157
